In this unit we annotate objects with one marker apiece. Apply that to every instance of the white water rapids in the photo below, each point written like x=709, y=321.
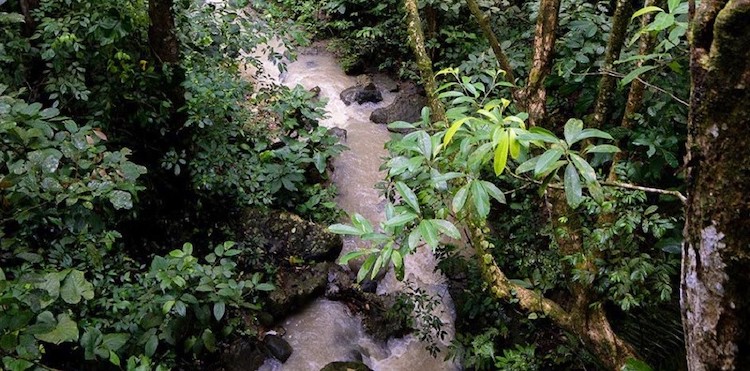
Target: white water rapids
x=326, y=331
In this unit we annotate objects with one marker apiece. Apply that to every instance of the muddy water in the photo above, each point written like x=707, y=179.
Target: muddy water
x=327, y=331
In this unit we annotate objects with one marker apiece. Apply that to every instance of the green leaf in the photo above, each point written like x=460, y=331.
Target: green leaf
x=265, y=286
x=501, y=152
x=400, y=220
x=592, y=133
x=633, y=364
x=429, y=233
x=76, y=287
x=366, y=266
x=219, y=309
x=447, y=228
x=547, y=160
x=493, y=191
x=515, y=145
x=453, y=129
x=209, y=340
x=397, y=259
x=114, y=342
x=672, y=5
x=361, y=223
x=414, y=237
x=648, y=9
x=151, y=345
x=460, y=199
x=121, y=200
x=376, y=267
x=425, y=144
x=344, y=229
x=635, y=73
x=588, y=172
x=528, y=165
x=573, y=190
x=603, y=148
x=401, y=125
x=408, y=195
x=66, y=330
x=572, y=128
x=481, y=199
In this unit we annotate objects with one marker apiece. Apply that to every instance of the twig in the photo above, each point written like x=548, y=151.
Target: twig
x=647, y=189
x=645, y=83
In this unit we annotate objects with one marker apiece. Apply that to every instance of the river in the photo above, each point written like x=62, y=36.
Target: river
x=326, y=331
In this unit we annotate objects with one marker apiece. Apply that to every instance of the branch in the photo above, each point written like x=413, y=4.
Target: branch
x=484, y=24
x=647, y=189
x=645, y=83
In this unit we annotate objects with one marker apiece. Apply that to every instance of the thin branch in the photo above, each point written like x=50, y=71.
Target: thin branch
x=647, y=189
x=619, y=75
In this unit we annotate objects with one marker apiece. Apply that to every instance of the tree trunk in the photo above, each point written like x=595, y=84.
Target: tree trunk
x=162, y=33
x=535, y=94
x=620, y=21
x=27, y=6
x=637, y=88
x=424, y=63
x=484, y=24
x=715, y=291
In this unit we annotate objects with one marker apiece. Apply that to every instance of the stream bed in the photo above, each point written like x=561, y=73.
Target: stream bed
x=326, y=331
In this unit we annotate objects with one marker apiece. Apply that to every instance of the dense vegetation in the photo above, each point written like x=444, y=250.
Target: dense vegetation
x=552, y=147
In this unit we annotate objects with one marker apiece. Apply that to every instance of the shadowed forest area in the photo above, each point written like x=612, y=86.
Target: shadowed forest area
x=374, y=185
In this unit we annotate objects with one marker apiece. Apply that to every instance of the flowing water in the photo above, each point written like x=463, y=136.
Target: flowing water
x=326, y=331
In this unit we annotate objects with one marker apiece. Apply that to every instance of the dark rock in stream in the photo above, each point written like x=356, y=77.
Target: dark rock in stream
x=243, y=355
x=278, y=347
x=406, y=107
x=338, y=132
x=364, y=91
x=298, y=286
x=286, y=236
x=346, y=366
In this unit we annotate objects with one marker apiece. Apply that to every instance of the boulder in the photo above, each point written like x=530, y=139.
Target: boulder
x=286, y=236
x=346, y=366
x=278, y=347
x=338, y=132
x=364, y=91
x=242, y=355
x=407, y=106
x=297, y=287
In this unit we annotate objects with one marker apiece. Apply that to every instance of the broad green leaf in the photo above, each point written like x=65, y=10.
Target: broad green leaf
x=501, y=153
x=397, y=259
x=209, y=340
x=429, y=233
x=414, y=237
x=265, y=286
x=401, y=125
x=151, y=345
x=528, y=165
x=376, y=267
x=634, y=74
x=572, y=128
x=447, y=228
x=595, y=189
x=588, y=172
x=648, y=9
x=672, y=5
x=633, y=364
x=446, y=177
x=592, y=133
x=344, y=229
x=494, y=192
x=453, y=129
x=366, y=267
x=400, y=220
x=354, y=255
x=76, y=287
x=66, y=330
x=481, y=199
x=114, y=342
x=603, y=148
x=547, y=160
x=425, y=144
x=219, y=309
x=573, y=190
x=361, y=223
x=662, y=21
x=515, y=145
x=460, y=199
x=408, y=195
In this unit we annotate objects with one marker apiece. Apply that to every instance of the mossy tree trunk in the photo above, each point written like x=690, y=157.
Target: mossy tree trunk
x=424, y=63
x=535, y=94
x=716, y=255
x=484, y=24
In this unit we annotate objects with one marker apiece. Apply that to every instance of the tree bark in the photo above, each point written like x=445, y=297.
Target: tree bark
x=637, y=88
x=424, y=63
x=27, y=6
x=484, y=24
x=162, y=33
x=590, y=324
x=620, y=21
x=535, y=94
x=715, y=291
